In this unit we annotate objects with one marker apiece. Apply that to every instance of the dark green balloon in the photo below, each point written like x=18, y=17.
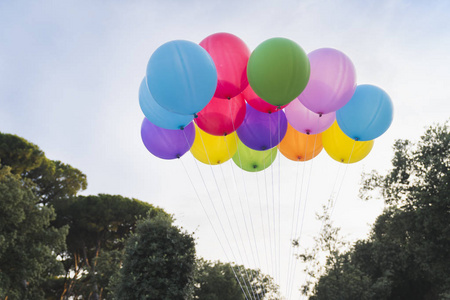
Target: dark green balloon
x=253, y=160
x=278, y=71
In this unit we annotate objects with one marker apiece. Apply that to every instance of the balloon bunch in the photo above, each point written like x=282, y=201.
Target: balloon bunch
x=221, y=101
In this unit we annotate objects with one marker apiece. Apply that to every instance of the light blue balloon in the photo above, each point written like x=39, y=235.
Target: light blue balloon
x=181, y=77
x=158, y=115
x=367, y=115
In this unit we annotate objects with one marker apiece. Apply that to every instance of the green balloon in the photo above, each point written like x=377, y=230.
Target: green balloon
x=253, y=160
x=278, y=71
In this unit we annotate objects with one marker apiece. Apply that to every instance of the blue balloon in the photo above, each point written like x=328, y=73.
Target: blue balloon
x=158, y=115
x=181, y=77
x=367, y=115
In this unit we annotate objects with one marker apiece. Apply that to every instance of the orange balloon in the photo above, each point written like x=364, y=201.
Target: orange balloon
x=298, y=146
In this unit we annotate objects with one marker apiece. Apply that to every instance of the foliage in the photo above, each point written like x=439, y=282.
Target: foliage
x=159, y=262
x=217, y=281
x=98, y=227
x=53, y=180
x=27, y=242
x=407, y=255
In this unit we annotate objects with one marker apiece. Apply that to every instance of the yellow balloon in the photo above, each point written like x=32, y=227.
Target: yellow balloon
x=342, y=148
x=219, y=149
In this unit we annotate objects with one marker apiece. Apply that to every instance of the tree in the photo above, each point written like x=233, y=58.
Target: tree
x=28, y=244
x=53, y=180
x=159, y=262
x=407, y=255
x=98, y=227
x=217, y=281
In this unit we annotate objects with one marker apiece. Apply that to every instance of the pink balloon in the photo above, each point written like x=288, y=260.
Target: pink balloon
x=230, y=55
x=257, y=103
x=332, y=81
x=305, y=121
x=222, y=116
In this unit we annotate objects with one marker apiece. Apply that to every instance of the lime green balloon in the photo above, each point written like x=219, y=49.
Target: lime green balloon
x=253, y=160
x=278, y=71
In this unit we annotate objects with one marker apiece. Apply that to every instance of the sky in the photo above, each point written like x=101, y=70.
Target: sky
x=69, y=78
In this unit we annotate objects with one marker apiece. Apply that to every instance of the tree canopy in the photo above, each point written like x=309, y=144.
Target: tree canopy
x=407, y=255
x=159, y=262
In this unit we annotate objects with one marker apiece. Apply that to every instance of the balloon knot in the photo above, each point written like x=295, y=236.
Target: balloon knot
x=263, y=147
x=228, y=98
x=181, y=127
x=178, y=156
x=308, y=132
x=356, y=139
x=195, y=116
x=255, y=166
x=269, y=112
x=224, y=134
x=320, y=115
x=279, y=106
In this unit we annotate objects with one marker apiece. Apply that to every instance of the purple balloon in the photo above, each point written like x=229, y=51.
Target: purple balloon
x=305, y=121
x=332, y=81
x=262, y=131
x=167, y=143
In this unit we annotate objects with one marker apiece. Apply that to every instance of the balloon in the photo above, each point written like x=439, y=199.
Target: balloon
x=298, y=146
x=230, y=55
x=181, y=77
x=222, y=117
x=219, y=149
x=158, y=115
x=278, y=70
x=258, y=103
x=306, y=121
x=166, y=143
x=332, y=81
x=261, y=131
x=342, y=148
x=367, y=115
x=253, y=160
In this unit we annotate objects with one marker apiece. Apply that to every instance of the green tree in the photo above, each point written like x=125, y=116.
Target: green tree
x=28, y=244
x=217, y=281
x=407, y=255
x=98, y=227
x=159, y=262
x=53, y=180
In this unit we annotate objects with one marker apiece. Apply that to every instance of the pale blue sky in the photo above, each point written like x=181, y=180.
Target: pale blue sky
x=70, y=73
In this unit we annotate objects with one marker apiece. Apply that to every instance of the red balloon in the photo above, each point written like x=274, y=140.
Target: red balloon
x=230, y=55
x=222, y=116
x=259, y=104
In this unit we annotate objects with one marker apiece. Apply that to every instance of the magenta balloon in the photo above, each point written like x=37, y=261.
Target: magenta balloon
x=257, y=103
x=167, y=143
x=261, y=131
x=230, y=55
x=305, y=121
x=332, y=81
x=222, y=116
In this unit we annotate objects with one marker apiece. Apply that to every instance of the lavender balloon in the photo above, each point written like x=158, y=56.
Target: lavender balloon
x=332, y=81
x=305, y=121
x=167, y=143
x=262, y=131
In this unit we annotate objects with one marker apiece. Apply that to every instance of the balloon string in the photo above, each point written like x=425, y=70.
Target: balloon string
x=279, y=200
x=212, y=226
x=293, y=270
x=332, y=204
x=268, y=217
x=292, y=226
x=242, y=210
x=273, y=201
x=215, y=210
x=240, y=235
x=246, y=194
